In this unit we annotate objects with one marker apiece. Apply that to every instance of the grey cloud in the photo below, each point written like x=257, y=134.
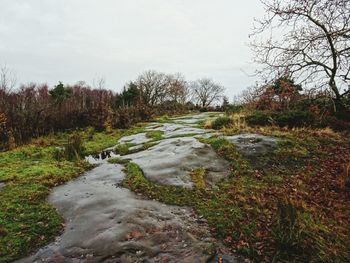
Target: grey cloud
x=72, y=40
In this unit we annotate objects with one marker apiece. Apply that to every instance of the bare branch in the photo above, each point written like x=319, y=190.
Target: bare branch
x=206, y=92
x=308, y=38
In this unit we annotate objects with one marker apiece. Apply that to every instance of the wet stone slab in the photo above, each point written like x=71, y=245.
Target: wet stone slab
x=106, y=223
x=139, y=138
x=171, y=161
x=206, y=135
x=195, y=118
x=177, y=130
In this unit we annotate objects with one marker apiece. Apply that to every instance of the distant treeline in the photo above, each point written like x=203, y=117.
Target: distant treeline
x=34, y=110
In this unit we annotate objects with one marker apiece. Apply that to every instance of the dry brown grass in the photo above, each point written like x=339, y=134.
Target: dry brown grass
x=345, y=179
x=208, y=124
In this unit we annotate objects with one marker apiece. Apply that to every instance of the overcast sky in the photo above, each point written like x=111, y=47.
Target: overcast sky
x=72, y=40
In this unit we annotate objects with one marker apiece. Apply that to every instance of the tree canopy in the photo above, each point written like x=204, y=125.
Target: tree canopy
x=309, y=39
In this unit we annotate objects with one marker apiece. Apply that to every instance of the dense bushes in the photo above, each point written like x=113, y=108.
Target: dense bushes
x=259, y=118
x=296, y=118
x=232, y=108
x=282, y=103
x=221, y=122
x=290, y=118
x=34, y=110
x=335, y=123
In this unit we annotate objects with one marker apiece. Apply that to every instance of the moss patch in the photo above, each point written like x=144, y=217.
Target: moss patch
x=155, y=135
x=198, y=178
x=126, y=148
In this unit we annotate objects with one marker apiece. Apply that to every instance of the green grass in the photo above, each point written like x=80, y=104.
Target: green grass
x=244, y=211
x=123, y=148
x=102, y=140
x=126, y=148
x=155, y=135
x=136, y=181
x=27, y=221
x=117, y=160
x=164, y=119
x=265, y=209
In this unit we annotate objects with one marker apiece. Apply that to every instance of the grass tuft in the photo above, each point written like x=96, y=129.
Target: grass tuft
x=198, y=178
x=155, y=135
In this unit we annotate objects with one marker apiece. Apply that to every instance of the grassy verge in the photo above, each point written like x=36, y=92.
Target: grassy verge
x=27, y=221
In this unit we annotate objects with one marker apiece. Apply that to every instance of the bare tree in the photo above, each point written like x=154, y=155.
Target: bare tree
x=251, y=94
x=205, y=92
x=153, y=86
x=7, y=84
x=310, y=39
x=98, y=83
x=178, y=89
x=7, y=79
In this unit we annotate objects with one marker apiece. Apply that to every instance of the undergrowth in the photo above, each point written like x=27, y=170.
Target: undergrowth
x=287, y=206
x=265, y=212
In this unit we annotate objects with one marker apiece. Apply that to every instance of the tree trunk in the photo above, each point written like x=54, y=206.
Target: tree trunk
x=338, y=105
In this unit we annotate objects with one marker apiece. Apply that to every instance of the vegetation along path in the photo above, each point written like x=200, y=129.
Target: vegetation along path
x=195, y=188
x=106, y=222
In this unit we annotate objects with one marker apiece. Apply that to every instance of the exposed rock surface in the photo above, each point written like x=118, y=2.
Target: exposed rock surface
x=107, y=223
x=139, y=138
x=171, y=161
x=193, y=119
x=177, y=130
x=252, y=145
